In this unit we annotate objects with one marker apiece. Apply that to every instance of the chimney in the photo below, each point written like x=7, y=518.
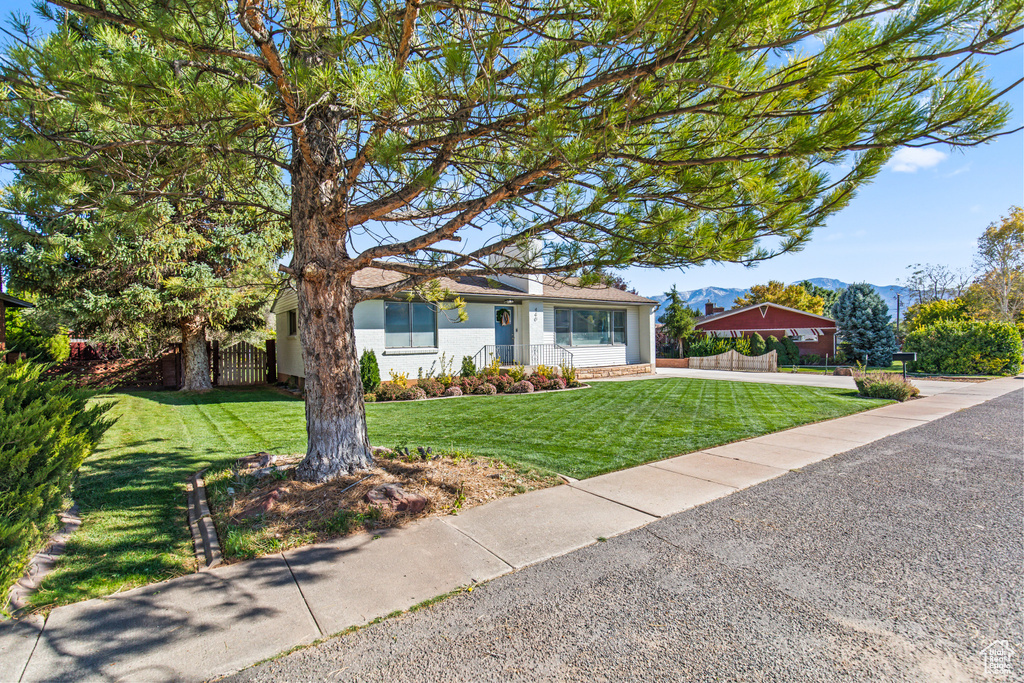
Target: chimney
x=514, y=255
x=709, y=308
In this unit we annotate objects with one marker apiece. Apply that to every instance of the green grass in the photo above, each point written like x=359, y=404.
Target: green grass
x=131, y=490
x=610, y=426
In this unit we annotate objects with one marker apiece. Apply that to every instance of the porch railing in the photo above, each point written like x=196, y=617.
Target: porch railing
x=524, y=354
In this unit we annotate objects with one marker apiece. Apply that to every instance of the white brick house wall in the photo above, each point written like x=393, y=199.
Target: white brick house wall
x=533, y=323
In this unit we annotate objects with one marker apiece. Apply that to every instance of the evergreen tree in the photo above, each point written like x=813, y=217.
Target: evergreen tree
x=424, y=138
x=862, y=317
x=678, y=319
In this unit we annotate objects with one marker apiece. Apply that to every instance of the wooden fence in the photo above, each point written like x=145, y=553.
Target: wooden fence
x=734, y=360
x=239, y=364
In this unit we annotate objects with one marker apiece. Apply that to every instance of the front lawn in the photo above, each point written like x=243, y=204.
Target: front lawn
x=131, y=491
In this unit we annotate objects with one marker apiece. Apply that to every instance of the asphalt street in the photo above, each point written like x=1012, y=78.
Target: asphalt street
x=899, y=561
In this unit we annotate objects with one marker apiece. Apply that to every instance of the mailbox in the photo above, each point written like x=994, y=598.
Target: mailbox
x=908, y=356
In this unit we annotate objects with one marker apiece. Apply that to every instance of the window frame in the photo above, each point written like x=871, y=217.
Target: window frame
x=612, y=313
x=293, y=322
x=410, y=331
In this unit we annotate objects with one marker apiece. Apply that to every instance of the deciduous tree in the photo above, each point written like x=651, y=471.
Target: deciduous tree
x=1000, y=259
x=424, y=138
x=793, y=296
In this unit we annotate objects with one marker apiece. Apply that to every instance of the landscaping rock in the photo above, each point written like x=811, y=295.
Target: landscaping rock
x=843, y=372
x=397, y=498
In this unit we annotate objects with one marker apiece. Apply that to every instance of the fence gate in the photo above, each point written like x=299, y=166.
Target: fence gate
x=239, y=364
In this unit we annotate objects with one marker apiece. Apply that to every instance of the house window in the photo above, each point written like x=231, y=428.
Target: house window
x=409, y=324
x=586, y=327
x=293, y=323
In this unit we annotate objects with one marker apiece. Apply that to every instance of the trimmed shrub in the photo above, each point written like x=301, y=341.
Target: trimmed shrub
x=778, y=347
x=389, y=391
x=810, y=359
x=885, y=385
x=431, y=386
x=369, y=371
x=757, y=345
x=966, y=348
x=486, y=389
x=522, y=387
x=502, y=383
x=557, y=383
x=369, y=398
x=792, y=351
x=413, y=394
x=469, y=385
x=539, y=382
x=452, y=391
x=46, y=431
x=468, y=367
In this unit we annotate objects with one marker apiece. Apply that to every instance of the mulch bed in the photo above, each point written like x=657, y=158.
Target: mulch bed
x=260, y=508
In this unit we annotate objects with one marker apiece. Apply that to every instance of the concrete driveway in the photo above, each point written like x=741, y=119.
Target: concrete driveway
x=898, y=561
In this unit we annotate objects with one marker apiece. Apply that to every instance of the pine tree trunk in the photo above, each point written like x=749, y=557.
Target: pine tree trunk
x=195, y=361
x=335, y=415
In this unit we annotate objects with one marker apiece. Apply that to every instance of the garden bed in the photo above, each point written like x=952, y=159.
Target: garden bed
x=260, y=508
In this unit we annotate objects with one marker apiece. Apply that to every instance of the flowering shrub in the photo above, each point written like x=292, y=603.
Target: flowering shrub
x=523, y=387
x=502, y=383
x=492, y=368
x=486, y=389
x=369, y=398
x=389, y=391
x=517, y=372
x=431, y=386
x=538, y=381
x=569, y=375
x=413, y=394
x=399, y=378
x=885, y=385
x=557, y=383
x=470, y=384
x=452, y=391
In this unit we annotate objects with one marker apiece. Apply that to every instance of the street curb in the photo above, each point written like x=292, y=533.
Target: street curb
x=204, y=534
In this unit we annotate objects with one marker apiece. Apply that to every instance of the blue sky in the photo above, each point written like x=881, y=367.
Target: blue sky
x=928, y=206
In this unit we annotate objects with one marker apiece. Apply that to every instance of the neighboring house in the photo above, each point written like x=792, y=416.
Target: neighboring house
x=813, y=334
x=518, y=319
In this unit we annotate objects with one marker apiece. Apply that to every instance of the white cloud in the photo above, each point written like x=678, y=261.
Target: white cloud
x=910, y=159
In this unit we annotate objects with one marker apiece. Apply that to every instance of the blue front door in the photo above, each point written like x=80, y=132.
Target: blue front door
x=504, y=334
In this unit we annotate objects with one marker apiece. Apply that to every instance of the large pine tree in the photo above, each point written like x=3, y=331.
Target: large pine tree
x=424, y=137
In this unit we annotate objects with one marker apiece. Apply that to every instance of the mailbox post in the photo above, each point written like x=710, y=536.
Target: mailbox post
x=906, y=357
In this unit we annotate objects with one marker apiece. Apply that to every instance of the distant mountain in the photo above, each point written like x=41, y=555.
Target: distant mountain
x=726, y=296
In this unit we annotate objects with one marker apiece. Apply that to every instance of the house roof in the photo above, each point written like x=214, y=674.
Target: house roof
x=475, y=285
x=744, y=309
x=14, y=302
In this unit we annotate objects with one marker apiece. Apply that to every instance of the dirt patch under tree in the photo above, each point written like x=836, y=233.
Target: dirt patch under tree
x=260, y=508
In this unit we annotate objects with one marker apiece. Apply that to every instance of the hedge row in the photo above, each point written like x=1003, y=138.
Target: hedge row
x=46, y=431
x=966, y=348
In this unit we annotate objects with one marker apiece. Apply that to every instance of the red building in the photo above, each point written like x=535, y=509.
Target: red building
x=812, y=333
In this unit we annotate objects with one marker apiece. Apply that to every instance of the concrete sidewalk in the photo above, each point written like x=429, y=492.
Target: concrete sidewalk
x=928, y=387
x=211, y=623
